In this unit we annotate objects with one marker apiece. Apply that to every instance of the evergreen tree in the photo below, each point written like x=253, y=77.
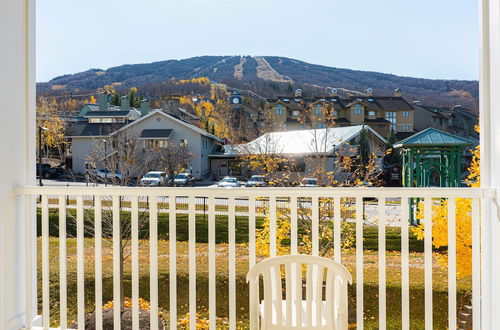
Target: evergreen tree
x=133, y=99
x=363, y=149
x=115, y=100
x=392, y=156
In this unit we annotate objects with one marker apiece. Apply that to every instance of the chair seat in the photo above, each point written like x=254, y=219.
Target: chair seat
x=294, y=314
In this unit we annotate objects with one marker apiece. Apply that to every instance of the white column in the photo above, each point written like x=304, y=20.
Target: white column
x=490, y=157
x=17, y=151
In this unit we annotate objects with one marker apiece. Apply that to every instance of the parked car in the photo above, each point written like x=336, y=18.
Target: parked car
x=184, y=180
x=103, y=174
x=309, y=182
x=257, y=181
x=229, y=181
x=47, y=171
x=154, y=178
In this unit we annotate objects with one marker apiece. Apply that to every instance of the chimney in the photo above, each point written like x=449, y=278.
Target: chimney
x=397, y=92
x=144, y=107
x=125, y=103
x=369, y=92
x=103, y=101
x=298, y=92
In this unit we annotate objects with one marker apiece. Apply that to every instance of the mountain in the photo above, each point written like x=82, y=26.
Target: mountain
x=268, y=76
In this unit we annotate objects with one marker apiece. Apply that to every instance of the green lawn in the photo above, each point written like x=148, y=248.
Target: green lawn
x=370, y=274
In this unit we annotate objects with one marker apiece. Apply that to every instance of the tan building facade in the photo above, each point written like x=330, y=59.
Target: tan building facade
x=382, y=113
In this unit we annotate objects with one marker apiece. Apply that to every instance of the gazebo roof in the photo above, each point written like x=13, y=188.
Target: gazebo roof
x=432, y=137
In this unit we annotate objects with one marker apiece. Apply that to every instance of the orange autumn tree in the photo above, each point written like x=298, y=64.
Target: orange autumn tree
x=463, y=222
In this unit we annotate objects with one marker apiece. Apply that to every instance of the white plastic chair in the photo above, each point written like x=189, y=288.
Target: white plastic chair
x=294, y=312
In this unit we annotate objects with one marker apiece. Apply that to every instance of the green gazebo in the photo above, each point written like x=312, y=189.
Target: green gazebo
x=431, y=158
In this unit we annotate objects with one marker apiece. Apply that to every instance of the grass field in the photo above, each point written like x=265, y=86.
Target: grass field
x=348, y=259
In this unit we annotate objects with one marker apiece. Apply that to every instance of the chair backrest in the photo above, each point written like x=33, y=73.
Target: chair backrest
x=319, y=313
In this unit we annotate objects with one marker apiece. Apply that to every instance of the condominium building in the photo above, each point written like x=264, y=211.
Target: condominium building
x=382, y=113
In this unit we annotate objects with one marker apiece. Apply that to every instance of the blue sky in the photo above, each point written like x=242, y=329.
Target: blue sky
x=424, y=38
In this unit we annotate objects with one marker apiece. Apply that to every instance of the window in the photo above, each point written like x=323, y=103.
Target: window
x=406, y=128
x=357, y=109
x=335, y=113
x=279, y=111
x=94, y=120
x=372, y=113
x=321, y=126
x=406, y=114
x=183, y=143
x=153, y=144
x=390, y=116
x=295, y=113
x=317, y=111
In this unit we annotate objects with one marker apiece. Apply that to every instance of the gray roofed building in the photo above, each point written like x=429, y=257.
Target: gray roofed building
x=107, y=113
x=81, y=129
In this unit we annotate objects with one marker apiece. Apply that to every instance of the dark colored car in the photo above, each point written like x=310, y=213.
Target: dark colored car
x=48, y=172
x=184, y=180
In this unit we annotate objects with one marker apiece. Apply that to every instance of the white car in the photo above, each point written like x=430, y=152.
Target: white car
x=105, y=174
x=154, y=178
x=228, y=181
x=309, y=182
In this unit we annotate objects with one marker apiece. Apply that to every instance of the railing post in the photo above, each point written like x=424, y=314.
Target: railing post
x=489, y=98
x=17, y=66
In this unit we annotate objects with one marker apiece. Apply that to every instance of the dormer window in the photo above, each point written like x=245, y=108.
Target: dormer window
x=372, y=113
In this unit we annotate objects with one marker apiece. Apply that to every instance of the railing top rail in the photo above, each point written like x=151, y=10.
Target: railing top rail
x=259, y=192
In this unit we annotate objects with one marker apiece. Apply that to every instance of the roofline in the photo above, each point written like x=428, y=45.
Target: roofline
x=160, y=111
x=85, y=136
x=401, y=143
x=374, y=132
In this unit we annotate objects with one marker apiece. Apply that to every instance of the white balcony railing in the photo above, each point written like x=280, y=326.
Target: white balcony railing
x=193, y=206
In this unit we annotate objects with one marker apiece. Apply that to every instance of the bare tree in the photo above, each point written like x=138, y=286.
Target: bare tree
x=172, y=159
x=126, y=158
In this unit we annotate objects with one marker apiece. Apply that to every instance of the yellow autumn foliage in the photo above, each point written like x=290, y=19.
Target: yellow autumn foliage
x=204, y=109
x=463, y=222
x=304, y=223
x=143, y=304
x=200, y=81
